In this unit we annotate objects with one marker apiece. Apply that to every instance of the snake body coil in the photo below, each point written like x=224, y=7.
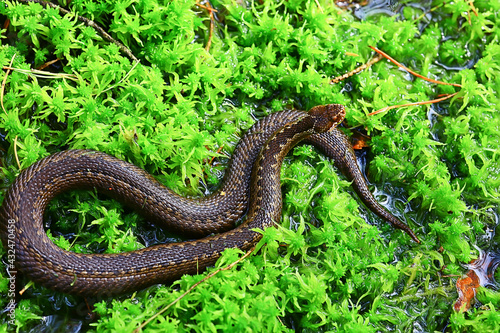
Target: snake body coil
x=92, y=274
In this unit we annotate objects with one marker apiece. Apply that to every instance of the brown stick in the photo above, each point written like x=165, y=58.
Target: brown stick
x=412, y=104
x=211, y=11
x=3, y=83
x=356, y=70
x=138, y=329
x=409, y=70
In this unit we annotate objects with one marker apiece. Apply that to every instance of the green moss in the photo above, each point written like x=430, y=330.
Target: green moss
x=326, y=268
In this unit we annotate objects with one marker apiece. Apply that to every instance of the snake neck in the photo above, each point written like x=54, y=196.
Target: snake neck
x=266, y=200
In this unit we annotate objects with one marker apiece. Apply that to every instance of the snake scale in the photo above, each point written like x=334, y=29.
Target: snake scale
x=261, y=150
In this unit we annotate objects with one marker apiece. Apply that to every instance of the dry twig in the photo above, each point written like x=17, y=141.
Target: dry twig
x=387, y=108
x=385, y=55
x=356, y=70
x=211, y=12
x=15, y=153
x=138, y=329
x=3, y=83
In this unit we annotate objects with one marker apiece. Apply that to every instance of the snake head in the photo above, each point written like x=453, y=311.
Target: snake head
x=327, y=116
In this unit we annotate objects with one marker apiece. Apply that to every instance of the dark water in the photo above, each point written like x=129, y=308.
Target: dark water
x=485, y=268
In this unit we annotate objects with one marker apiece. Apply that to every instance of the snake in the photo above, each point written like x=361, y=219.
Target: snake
x=266, y=143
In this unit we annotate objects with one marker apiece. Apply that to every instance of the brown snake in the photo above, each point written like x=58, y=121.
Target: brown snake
x=92, y=274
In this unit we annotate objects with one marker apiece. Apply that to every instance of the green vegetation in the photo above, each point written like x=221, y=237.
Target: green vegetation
x=325, y=269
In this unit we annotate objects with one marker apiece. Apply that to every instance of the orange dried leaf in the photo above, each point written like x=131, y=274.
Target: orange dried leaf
x=466, y=288
x=359, y=141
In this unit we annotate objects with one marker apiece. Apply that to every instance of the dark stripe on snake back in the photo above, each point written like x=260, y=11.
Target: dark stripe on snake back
x=92, y=274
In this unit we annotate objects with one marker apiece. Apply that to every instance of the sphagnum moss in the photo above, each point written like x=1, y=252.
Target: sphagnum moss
x=437, y=167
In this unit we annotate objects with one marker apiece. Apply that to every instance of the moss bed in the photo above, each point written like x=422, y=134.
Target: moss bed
x=333, y=265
